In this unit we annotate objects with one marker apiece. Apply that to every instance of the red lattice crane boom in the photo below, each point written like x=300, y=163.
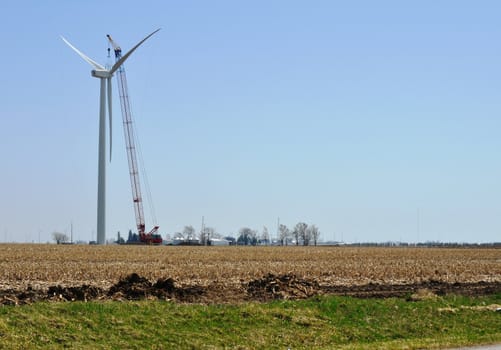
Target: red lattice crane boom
x=151, y=237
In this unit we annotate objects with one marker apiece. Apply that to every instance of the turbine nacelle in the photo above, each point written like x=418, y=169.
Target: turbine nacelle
x=103, y=74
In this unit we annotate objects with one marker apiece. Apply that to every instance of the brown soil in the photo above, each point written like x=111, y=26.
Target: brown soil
x=267, y=288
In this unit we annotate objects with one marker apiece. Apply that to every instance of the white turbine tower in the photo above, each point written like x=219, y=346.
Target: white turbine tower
x=105, y=75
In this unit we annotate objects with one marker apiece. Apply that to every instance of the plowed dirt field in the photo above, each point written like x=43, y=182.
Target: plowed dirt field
x=30, y=273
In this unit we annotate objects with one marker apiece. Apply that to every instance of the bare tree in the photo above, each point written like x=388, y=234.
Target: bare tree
x=247, y=236
x=210, y=232
x=265, y=236
x=313, y=233
x=178, y=235
x=202, y=237
x=300, y=233
x=188, y=232
x=206, y=235
x=60, y=237
x=284, y=234
x=306, y=235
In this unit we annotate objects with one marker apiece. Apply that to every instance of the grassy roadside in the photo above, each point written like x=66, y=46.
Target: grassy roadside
x=320, y=323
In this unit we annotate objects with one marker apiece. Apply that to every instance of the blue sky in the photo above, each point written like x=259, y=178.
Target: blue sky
x=374, y=120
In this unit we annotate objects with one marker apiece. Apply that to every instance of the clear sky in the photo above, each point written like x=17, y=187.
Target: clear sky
x=374, y=120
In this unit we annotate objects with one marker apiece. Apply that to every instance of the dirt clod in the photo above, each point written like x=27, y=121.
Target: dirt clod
x=286, y=286
x=269, y=287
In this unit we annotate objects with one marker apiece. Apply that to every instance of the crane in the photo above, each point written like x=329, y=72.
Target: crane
x=151, y=237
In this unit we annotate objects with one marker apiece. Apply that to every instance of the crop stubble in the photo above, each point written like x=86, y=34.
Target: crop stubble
x=239, y=273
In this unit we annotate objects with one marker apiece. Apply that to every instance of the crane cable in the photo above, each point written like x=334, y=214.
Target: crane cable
x=149, y=197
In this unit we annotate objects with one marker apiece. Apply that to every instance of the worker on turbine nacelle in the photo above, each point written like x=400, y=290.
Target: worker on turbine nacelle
x=118, y=50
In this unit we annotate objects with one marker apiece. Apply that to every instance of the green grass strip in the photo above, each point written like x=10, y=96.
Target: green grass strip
x=319, y=323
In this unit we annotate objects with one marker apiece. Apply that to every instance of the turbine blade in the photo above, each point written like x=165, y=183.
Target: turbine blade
x=81, y=54
x=124, y=57
x=109, y=114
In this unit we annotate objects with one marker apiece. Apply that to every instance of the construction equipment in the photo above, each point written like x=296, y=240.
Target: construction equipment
x=142, y=237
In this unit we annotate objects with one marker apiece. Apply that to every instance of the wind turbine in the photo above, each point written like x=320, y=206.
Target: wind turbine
x=105, y=76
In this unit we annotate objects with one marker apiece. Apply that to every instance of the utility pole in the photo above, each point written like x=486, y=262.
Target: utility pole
x=418, y=224
x=278, y=228
x=202, y=232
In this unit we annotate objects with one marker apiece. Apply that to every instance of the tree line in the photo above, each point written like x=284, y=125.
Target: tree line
x=300, y=234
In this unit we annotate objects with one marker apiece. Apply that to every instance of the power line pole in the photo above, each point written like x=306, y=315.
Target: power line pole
x=278, y=228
